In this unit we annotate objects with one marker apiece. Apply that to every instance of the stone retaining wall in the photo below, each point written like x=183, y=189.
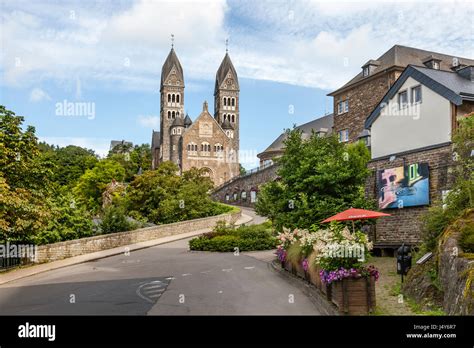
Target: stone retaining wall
x=76, y=247
x=231, y=192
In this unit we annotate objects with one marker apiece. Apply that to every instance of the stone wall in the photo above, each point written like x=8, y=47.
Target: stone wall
x=404, y=226
x=363, y=97
x=244, y=183
x=76, y=247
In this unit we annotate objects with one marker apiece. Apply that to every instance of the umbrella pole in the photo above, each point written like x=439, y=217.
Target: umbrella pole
x=353, y=227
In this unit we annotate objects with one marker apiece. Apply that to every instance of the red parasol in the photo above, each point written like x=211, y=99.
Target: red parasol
x=355, y=214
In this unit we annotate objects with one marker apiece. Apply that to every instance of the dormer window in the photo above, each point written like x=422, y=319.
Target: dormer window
x=432, y=62
x=365, y=71
x=369, y=67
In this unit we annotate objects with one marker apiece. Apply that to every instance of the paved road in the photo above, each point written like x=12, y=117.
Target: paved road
x=164, y=280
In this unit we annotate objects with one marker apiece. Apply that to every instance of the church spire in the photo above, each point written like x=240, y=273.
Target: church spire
x=172, y=62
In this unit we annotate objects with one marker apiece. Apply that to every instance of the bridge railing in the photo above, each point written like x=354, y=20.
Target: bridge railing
x=247, y=173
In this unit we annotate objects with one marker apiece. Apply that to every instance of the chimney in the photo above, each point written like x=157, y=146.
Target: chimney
x=467, y=72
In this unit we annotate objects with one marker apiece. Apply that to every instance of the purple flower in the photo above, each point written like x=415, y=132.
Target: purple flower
x=305, y=264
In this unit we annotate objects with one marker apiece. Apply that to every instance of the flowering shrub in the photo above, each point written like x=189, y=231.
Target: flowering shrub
x=328, y=277
x=281, y=254
x=305, y=264
x=288, y=237
x=338, y=252
x=339, y=248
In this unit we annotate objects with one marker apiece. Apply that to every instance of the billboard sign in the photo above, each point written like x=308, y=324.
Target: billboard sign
x=401, y=187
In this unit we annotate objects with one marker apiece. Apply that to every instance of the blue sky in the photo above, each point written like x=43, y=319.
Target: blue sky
x=288, y=54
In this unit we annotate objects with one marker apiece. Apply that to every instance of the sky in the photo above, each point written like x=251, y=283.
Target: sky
x=107, y=56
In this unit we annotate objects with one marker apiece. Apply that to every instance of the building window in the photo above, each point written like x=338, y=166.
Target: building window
x=343, y=106
x=177, y=98
x=178, y=131
x=365, y=71
x=169, y=115
x=233, y=101
x=243, y=195
x=218, y=148
x=344, y=135
x=253, y=196
x=205, y=149
x=169, y=98
x=416, y=94
x=233, y=118
x=402, y=99
x=173, y=131
x=436, y=65
x=225, y=101
x=173, y=115
x=227, y=197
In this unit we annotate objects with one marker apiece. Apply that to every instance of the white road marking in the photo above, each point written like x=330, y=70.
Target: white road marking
x=170, y=278
x=220, y=292
x=250, y=267
x=204, y=272
x=227, y=269
x=185, y=274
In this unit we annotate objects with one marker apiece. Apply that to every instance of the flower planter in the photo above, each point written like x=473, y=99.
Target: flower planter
x=354, y=296
x=288, y=266
x=298, y=269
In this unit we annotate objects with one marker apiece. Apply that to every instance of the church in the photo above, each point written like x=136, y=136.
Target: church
x=211, y=141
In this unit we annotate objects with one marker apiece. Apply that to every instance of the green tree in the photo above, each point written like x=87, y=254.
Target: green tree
x=69, y=162
x=24, y=181
x=461, y=195
x=319, y=177
x=162, y=196
x=133, y=160
x=93, y=182
x=68, y=221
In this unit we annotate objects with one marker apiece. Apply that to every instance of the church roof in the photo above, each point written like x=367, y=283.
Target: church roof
x=187, y=121
x=178, y=121
x=227, y=125
x=171, y=60
x=224, y=68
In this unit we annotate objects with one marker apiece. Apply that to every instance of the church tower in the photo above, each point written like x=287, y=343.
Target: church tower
x=172, y=104
x=226, y=102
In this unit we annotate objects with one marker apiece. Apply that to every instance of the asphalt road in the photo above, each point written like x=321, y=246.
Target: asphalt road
x=164, y=280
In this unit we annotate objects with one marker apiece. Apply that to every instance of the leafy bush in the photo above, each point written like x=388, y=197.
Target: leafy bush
x=245, y=238
x=115, y=220
x=319, y=177
x=466, y=240
x=461, y=196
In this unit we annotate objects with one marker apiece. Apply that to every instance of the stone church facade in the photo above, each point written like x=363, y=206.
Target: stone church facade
x=210, y=142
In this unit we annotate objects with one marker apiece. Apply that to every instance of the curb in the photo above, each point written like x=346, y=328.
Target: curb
x=313, y=293
x=50, y=266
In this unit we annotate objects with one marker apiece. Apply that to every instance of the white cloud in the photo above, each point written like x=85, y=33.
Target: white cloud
x=38, y=95
x=101, y=146
x=303, y=43
x=149, y=121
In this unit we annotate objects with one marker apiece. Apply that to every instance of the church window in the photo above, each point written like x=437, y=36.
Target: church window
x=169, y=97
x=177, y=98
x=233, y=101
x=228, y=101
x=225, y=101
x=178, y=131
x=173, y=131
x=233, y=118
x=189, y=147
x=169, y=115
x=177, y=113
x=173, y=98
x=173, y=115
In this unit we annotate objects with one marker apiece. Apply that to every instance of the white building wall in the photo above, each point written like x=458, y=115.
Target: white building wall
x=418, y=125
